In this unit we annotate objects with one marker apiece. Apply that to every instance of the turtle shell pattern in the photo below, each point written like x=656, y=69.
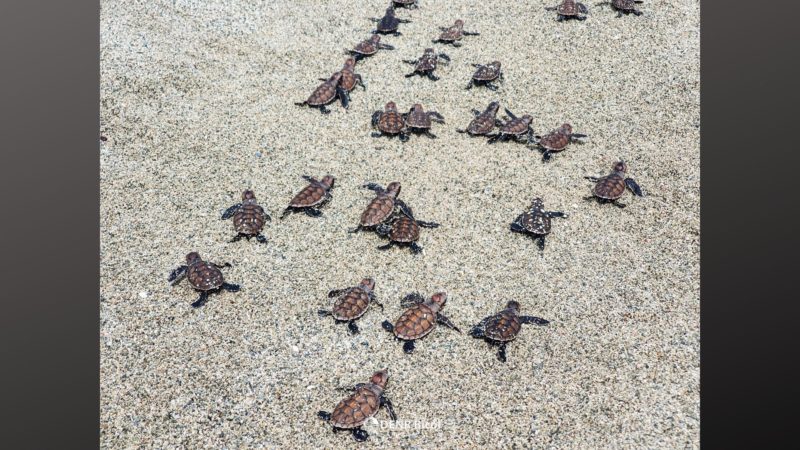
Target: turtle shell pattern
x=356, y=409
x=418, y=118
x=416, y=322
x=568, y=8
x=366, y=48
x=535, y=222
x=453, y=33
x=486, y=73
x=625, y=5
x=325, y=92
x=404, y=229
x=249, y=219
x=348, y=79
x=555, y=141
x=503, y=326
x=351, y=305
x=378, y=210
x=311, y=195
x=204, y=276
x=391, y=122
x=515, y=126
x=610, y=187
x=389, y=22
x=426, y=63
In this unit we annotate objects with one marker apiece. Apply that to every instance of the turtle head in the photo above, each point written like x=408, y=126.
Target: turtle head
x=495, y=64
x=380, y=378
x=537, y=203
x=350, y=62
x=619, y=167
x=390, y=10
x=438, y=300
x=376, y=38
x=417, y=107
x=459, y=23
x=192, y=257
x=391, y=106
x=566, y=128
x=493, y=107
x=328, y=181
x=526, y=118
x=429, y=51
x=248, y=195
x=368, y=284
x=393, y=188
x=514, y=305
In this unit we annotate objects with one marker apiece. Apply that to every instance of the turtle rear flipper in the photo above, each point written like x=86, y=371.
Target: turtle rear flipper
x=389, y=407
x=532, y=320
x=444, y=320
x=501, y=352
x=201, y=300
x=231, y=287
x=412, y=299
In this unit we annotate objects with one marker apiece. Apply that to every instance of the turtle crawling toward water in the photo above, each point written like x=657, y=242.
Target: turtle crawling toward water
x=403, y=228
x=557, y=140
x=535, y=221
x=484, y=122
x=204, y=276
x=426, y=64
x=248, y=218
x=611, y=187
x=325, y=93
x=624, y=6
x=503, y=327
x=312, y=197
x=348, y=80
x=517, y=128
x=485, y=74
x=388, y=24
x=390, y=122
x=351, y=303
x=570, y=9
x=419, y=121
x=379, y=208
x=365, y=401
x=369, y=47
x=420, y=319
x=454, y=34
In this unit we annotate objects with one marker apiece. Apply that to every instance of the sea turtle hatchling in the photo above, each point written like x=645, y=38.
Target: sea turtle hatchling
x=624, y=6
x=248, y=218
x=204, y=276
x=420, y=319
x=312, y=197
x=557, y=140
x=403, y=228
x=454, y=34
x=426, y=64
x=517, y=128
x=390, y=122
x=611, y=187
x=419, y=121
x=485, y=74
x=369, y=47
x=351, y=303
x=365, y=401
x=570, y=9
x=535, y=221
x=348, y=80
x=325, y=93
x=380, y=208
x=389, y=23
x=503, y=327
x=484, y=122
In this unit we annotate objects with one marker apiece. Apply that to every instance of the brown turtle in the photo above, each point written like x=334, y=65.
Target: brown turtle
x=369, y=47
x=419, y=320
x=624, y=6
x=380, y=208
x=484, y=122
x=426, y=64
x=390, y=122
x=453, y=34
x=557, y=140
x=611, y=187
x=248, y=218
x=503, y=327
x=312, y=197
x=388, y=24
x=419, y=121
x=406, y=3
x=517, y=128
x=535, y=221
x=570, y=9
x=351, y=303
x=403, y=228
x=348, y=81
x=324, y=94
x=204, y=276
x=485, y=74
x=365, y=401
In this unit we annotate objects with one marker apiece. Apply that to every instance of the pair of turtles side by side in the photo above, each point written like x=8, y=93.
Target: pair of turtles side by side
x=369, y=47
x=485, y=74
x=352, y=303
x=248, y=218
x=557, y=140
x=380, y=208
x=312, y=197
x=419, y=319
x=402, y=228
x=339, y=85
x=391, y=122
x=501, y=328
x=624, y=6
x=611, y=187
x=536, y=221
x=570, y=9
x=365, y=401
x=426, y=64
x=204, y=276
x=389, y=23
x=454, y=34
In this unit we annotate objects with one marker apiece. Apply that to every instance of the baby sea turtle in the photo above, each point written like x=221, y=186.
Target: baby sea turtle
x=426, y=64
x=325, y=93
x=369, y=47
x=624, y=6
x=484, y=122
x=388, y=24
x=312, y=197
x=485, y=74
x=570, y=9
x=611, y=187
x=419, y=319
x=406, y=3
x=419, y=121
x=352, y=412
x=403, y=228
x=204, y=276
x=351, y=303
x=348, y=80
x=453, y=34
x=536, y=221
x=503, y=327
x=517, y=128
x=380, y=208
x=557, y=140
x=248, y=218
x=389, y=122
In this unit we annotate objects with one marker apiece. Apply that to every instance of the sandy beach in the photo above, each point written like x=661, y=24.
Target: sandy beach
x=197, y=105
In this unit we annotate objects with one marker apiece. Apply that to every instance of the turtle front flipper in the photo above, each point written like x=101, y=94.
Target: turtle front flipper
x=427, y=224
x=412, y=299
x=479, y=329
x=389, y=407
x=337, y=292
x=324, y=313
x=231, y=287
x=344, y=97
x=177, y=275
x=201, y=300
x=444, y=320
x=634, y=187
x=552, y=214
x=501, y=352
x=591, y=178
x=231, y=211
x=532, y=320
x=541, y=239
